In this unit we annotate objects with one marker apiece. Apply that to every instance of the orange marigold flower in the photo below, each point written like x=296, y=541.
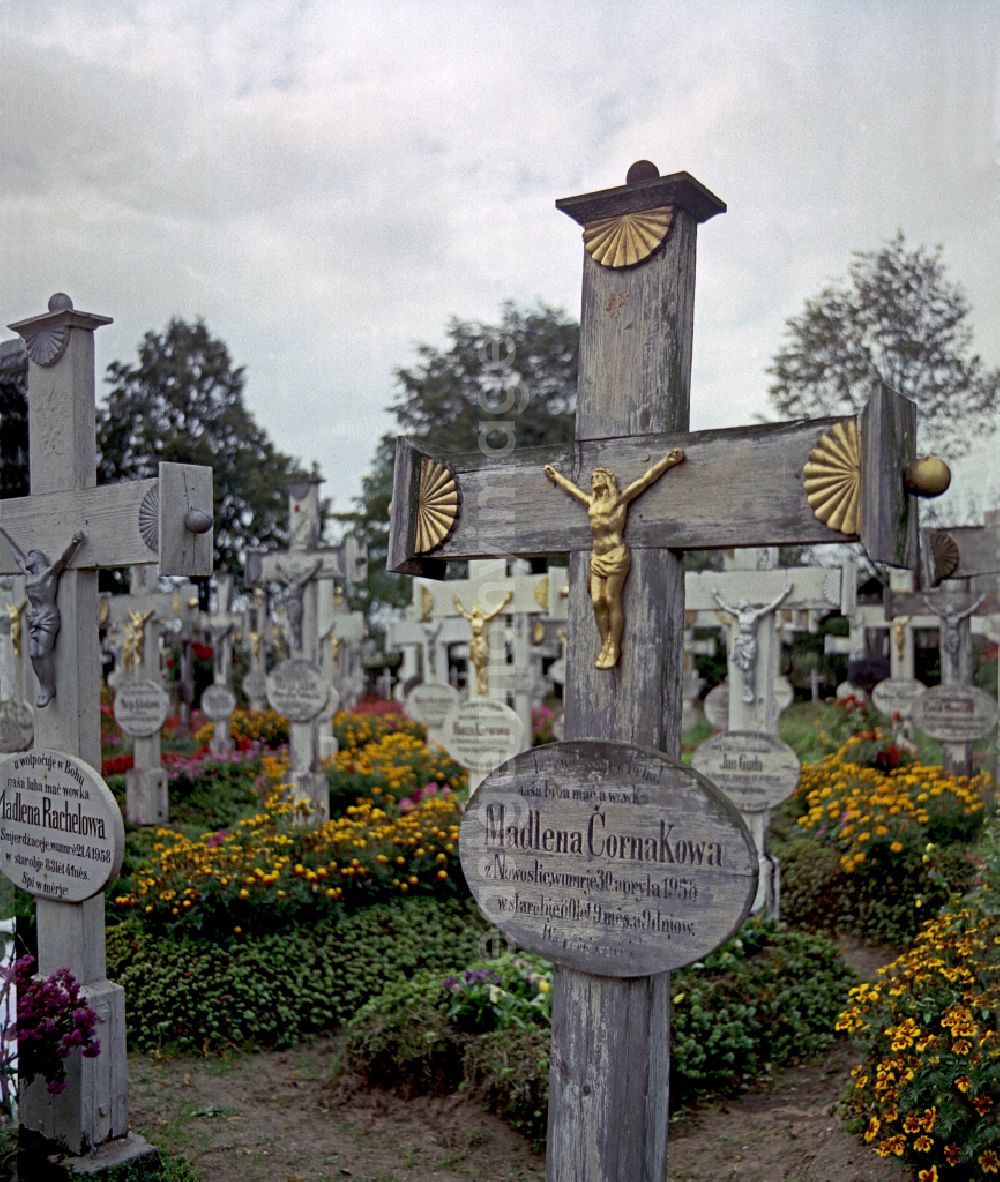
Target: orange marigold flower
x=923, y=1143
x=989, y=1162
x=963, y=1083
x=930, y=1175
x=982, y=1104
x=952, y=1155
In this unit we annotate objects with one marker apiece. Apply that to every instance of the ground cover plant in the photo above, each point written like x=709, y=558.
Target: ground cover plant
x=928, y=1090
x=766, y=998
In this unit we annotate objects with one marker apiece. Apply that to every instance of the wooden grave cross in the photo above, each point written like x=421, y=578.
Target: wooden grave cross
x=141, y=704
x=341, y=632
x=748, y=760
x=296, y=686
x=955, y=712
x=62, y=534
x=830, y=480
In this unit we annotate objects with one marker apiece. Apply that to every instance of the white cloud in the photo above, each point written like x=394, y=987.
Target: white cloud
x=326, y=183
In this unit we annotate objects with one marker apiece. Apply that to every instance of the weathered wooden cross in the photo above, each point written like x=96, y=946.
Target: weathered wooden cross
x=68, y=522
x=830, y=480
x=296, y=687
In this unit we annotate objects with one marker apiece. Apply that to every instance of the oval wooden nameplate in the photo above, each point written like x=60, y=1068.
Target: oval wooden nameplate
x=481, y=734
x=61, y=831
x=141, y=707
x=608, y=858
x=218, y=702
x=898, y=695
x=756, y=771
x=431, y=704
x=297, y=690
x=955, y=713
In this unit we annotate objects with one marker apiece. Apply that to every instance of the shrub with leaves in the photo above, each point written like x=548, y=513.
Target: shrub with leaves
x=928, y=1091
x=765, y=998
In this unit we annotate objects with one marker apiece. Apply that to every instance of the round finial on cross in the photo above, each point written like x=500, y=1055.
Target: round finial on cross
x=928, y=477
x=60, y=302
x=642, y=170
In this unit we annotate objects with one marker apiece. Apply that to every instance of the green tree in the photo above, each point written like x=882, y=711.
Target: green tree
x=899, y=319
x=183, y=402
x=493, y=386
x=13, y=419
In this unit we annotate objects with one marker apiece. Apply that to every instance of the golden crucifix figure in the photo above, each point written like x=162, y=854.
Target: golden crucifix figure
x=14, y=611
x=610, y=558
x=479, y=649
x=139, y=621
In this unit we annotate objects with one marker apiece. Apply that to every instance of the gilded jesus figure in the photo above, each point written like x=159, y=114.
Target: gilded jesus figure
x=479, y=646
x=610, y=558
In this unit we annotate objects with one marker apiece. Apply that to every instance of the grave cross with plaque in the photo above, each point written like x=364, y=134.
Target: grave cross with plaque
x=167, y=519
x=614, y=860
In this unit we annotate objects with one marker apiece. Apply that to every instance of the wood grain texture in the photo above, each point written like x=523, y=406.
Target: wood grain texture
x=888, y=445
x=978, y=551
x=610, y=1062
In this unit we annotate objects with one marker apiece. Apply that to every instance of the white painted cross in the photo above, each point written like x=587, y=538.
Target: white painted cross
x=765, y=485
x=167, y=519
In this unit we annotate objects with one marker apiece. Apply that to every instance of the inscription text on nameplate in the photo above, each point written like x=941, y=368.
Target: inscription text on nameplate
x=141, y=707
x=218, y=702
x=297, y=689
x=955, y=713
x=61, y=831
x=756, y=771
x=431, y=704
x=608, y=858
x=898, y=695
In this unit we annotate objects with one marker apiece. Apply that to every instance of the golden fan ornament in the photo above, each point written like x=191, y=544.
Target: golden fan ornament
x=437, y=505
x=944, y=555
x=833, y=478
x=629, y=238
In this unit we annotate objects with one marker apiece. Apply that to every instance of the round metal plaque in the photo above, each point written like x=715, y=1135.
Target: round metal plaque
x=61, y=832
x=17, y=726
x=608, y=858
x=955, y=713
x=141, y=707
x=298, y=690
x=756, y=771
x=898, y=695
x=482, y=733
x=217, y=702
x=431, y=704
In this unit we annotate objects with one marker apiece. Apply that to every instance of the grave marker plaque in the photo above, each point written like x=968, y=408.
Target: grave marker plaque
x=141, y=707
x=898, y=695
x=955, y=713
x=218, y=702
x=62, y=836
x=481, y=734
x=432, y=704
x=608, y=858
x=298, y=690
x=756, y=771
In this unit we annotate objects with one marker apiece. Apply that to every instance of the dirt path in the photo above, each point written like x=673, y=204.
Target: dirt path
x=272, y=1118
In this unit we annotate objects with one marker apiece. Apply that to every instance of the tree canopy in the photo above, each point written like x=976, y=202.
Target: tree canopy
x=13, y=419
x=900, y=319
x=183, y=402
x=512, y=383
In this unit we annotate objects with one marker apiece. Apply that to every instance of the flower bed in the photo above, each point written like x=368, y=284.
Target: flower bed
x=928, y=1091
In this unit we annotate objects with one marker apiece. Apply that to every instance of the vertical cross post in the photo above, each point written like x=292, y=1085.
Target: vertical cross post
x=90, y=528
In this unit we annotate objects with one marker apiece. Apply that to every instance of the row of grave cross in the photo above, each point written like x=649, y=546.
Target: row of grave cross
x=556, y=828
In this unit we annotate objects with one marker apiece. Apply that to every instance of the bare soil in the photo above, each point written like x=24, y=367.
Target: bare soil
x=274, y=1118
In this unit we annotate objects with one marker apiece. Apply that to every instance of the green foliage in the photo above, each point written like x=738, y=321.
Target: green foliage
x=212, y=794
x=898, y=320
x=14, y=416
x=766, y=998
x=928, y=1091
x=818, y=894
x=513, y=382
x=183, y=402
x=274, y=990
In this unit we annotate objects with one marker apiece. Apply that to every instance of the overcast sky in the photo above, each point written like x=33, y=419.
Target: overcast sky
x=327, y=183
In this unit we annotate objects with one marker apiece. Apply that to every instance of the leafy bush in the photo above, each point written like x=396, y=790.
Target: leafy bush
x=928, y=1091
x=273, y=990
x=883, y=848
x=766, y=998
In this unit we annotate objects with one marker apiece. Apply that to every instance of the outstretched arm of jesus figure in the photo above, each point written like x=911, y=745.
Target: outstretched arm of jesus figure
x=64, y=559
x=15, y=549
x=566, y=485
x=673, y=457
x=508, y=596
